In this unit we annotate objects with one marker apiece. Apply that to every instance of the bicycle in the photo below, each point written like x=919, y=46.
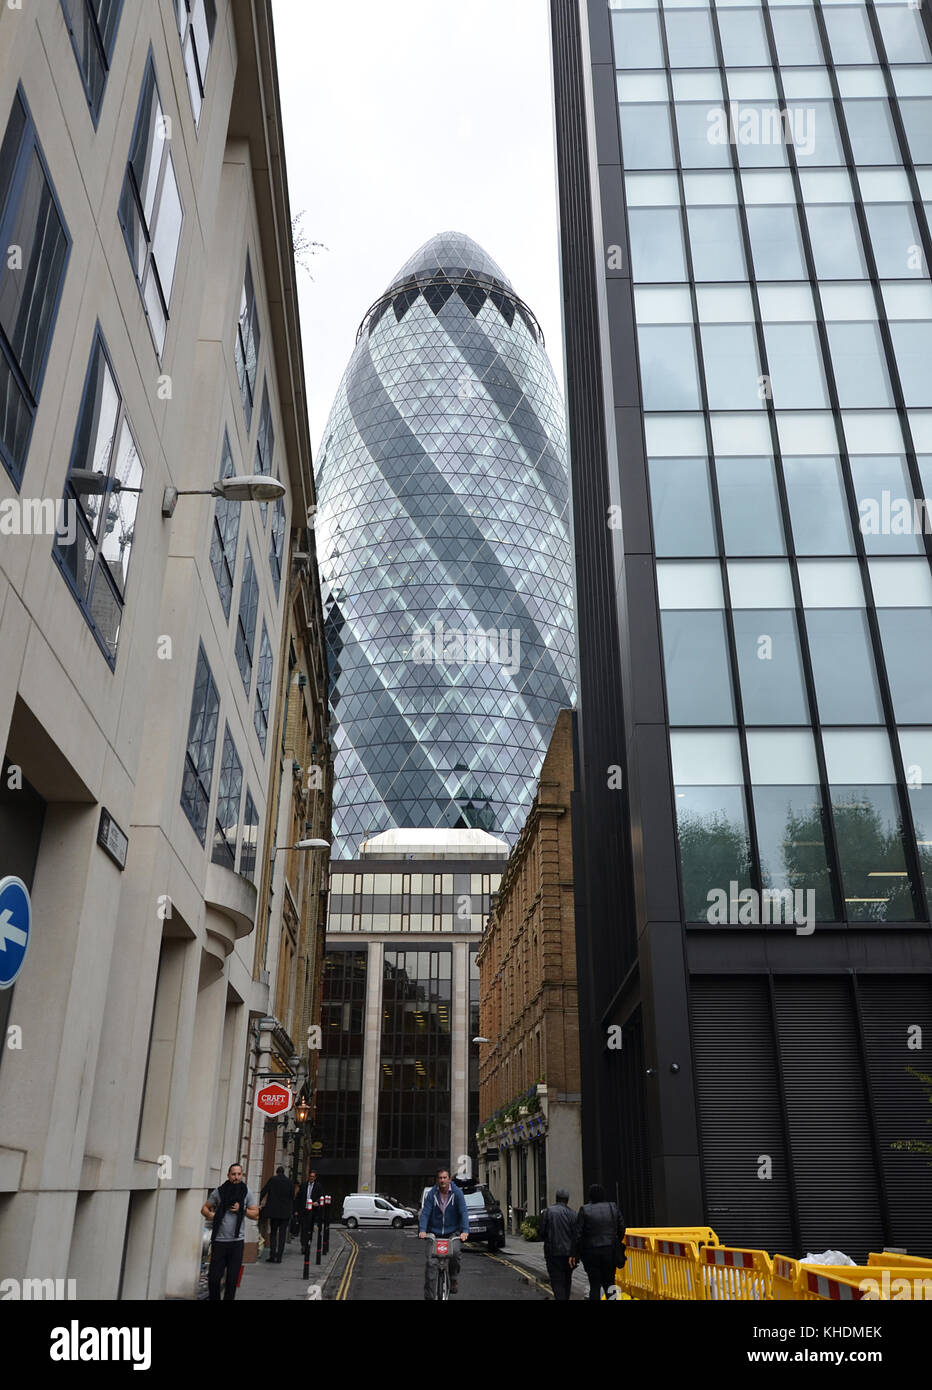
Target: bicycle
x=443, y=1252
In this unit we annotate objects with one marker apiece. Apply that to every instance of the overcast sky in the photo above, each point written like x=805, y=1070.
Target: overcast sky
x=404, y=118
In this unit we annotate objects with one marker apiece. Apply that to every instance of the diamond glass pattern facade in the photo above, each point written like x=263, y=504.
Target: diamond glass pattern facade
x=444, y=552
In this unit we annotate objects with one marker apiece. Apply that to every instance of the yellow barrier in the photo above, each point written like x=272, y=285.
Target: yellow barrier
x=686, y=1263
x=785, y=1286
x=736, y=1275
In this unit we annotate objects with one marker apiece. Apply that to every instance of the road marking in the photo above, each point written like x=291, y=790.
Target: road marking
x=526, y=1274
x=348, y=1271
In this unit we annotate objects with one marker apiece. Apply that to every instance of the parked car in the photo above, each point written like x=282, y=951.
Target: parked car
x=367, y=1208
x=397, y=1202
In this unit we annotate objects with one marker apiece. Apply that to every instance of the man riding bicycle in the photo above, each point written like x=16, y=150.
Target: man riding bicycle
x=443, y=1214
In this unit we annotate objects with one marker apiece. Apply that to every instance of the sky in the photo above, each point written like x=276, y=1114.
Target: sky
x=404, y=118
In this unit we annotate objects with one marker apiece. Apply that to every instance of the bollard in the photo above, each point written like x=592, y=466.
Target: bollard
x=326, y=1225
x=320, y=1226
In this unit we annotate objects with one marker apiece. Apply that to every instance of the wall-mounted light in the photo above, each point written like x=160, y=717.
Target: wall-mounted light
x=254, y=488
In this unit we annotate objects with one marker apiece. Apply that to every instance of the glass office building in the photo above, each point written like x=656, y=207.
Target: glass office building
x=444, y=551
x=753, y=251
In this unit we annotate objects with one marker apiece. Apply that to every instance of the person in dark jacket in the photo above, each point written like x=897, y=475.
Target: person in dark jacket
x=600, y=1228
x=277, y=1199
x=226, y=1207
x=308, y=1209
x=557, y=1229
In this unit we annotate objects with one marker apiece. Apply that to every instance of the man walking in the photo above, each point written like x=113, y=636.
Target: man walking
x=277, y=1199
x=309, y=1211
x=226, y=1206
x=557, y=1229
x=600, y=1234
x=444, y=1213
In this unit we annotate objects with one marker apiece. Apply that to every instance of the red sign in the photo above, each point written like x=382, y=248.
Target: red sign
x=274, y=1099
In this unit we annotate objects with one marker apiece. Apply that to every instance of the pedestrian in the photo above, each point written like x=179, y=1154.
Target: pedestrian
x=308, y=1208
x=226, y=1206
x=276, y=1201
x=599, y=1243
x=557, y=1229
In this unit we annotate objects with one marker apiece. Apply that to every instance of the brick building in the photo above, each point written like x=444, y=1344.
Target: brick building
x=529, y=1101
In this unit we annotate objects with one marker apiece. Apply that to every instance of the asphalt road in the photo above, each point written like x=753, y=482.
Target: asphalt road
x=388, y=1266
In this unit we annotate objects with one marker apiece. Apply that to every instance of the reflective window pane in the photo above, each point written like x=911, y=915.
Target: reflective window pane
x=818, y=508
x=871, y=131
x=792, y=846
x=669, y=376
x=869, y=832
x=836, y=242
x=732, y=368
x=744, y=40
x=917, y=118
x=702, y=145
x=750, y=506
x=776, y=245
x=912, y=346
x=843, y=666
x=895, y=239
x=886, y=512
x=906, y=634
x=770, y=667
x=637, y=39
x=696, y=664
x=904, y=37
x=681, y=506
x=689, y=38
x=861, y=377
x=714, y=845
x=796, y=35
x=656, y=244
x=849, y=34
x=815, y=134
x=794, y=364
x=646, y=136
x=715, y=243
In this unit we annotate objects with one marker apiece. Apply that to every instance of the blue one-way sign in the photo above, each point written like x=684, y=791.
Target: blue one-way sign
x=15, y=921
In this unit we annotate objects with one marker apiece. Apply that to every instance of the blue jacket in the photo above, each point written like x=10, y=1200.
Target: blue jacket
x=436, y=1222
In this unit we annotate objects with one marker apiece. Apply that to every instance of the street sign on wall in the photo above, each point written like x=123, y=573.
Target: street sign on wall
x=274, y=1099
x=15, y=924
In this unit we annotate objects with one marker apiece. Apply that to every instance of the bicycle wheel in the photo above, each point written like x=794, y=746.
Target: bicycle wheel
x=443, y=1284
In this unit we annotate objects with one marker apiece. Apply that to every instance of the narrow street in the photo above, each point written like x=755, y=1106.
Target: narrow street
x=389, y=1267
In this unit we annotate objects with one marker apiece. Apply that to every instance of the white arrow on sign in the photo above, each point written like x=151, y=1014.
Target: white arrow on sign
x=10, y=933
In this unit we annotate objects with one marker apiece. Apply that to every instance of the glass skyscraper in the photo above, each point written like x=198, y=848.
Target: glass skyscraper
x=443, y=542
x=745, y=192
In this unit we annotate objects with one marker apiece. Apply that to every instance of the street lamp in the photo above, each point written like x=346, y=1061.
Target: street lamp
x=481, y=1040
x=302, y=844
x=254, y=488
x=302, y=1113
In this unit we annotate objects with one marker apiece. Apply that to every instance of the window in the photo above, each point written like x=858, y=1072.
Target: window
x=870, y=129
x=247, y=854
x=263, y=689
x=246, y=622
x=689, y=39
x=95, y=555
x=859, y=364
x=794, y=362
x=681, y=504
x=836, y=242
x=151, y=214
x=647, y=137
x=695, y=648
x=202, y=739
x=225, y=535
x=669, y=377
x=796, y=35
x=843, y=666
x=228, y=799
x=248, y=338
x=656, y=244
x=711, y=818
x=886, y=511
x=732, y=368
x=895, y=239
x=92, y=25
x=776, y=245
x=849, y=34
x=744, y=41
x=265, y=445
x=912, y=344
x=196, y=22
x=715, y=242
x=790, y=816
x=904, y=36
x=750, y=505
x=637, y=39
x=276, y=549
x=30, y=282
x=817, y=506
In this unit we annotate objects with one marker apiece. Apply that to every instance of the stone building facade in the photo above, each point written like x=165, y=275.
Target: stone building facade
x=149, y=345
x=529, y=1101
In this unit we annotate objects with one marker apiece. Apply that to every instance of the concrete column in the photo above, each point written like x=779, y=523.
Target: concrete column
x=369, y=1127
x=459, y=1060
x=97, y=1244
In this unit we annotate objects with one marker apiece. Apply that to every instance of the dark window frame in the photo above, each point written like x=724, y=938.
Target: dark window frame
x=192, y=765
x=184, y=15
x=104, y=50
x=224, y=541
x=264, y=681
x=9, y=207
x=227, y=810
x=246, y=629
x=98, y=566
x=247, y=319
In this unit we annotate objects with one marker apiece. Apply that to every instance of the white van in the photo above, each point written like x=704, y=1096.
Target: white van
x=366, y=1209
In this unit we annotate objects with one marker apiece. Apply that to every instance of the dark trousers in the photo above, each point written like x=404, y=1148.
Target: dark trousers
x=561, y=1276
x=225, y=1256
x=278, y=1225
x=599, y=1264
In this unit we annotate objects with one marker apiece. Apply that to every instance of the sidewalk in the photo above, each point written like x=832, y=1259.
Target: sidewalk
x=529, y=1255
x=264, y=1282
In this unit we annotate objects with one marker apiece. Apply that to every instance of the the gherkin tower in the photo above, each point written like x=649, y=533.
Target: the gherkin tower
x=444, y=551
